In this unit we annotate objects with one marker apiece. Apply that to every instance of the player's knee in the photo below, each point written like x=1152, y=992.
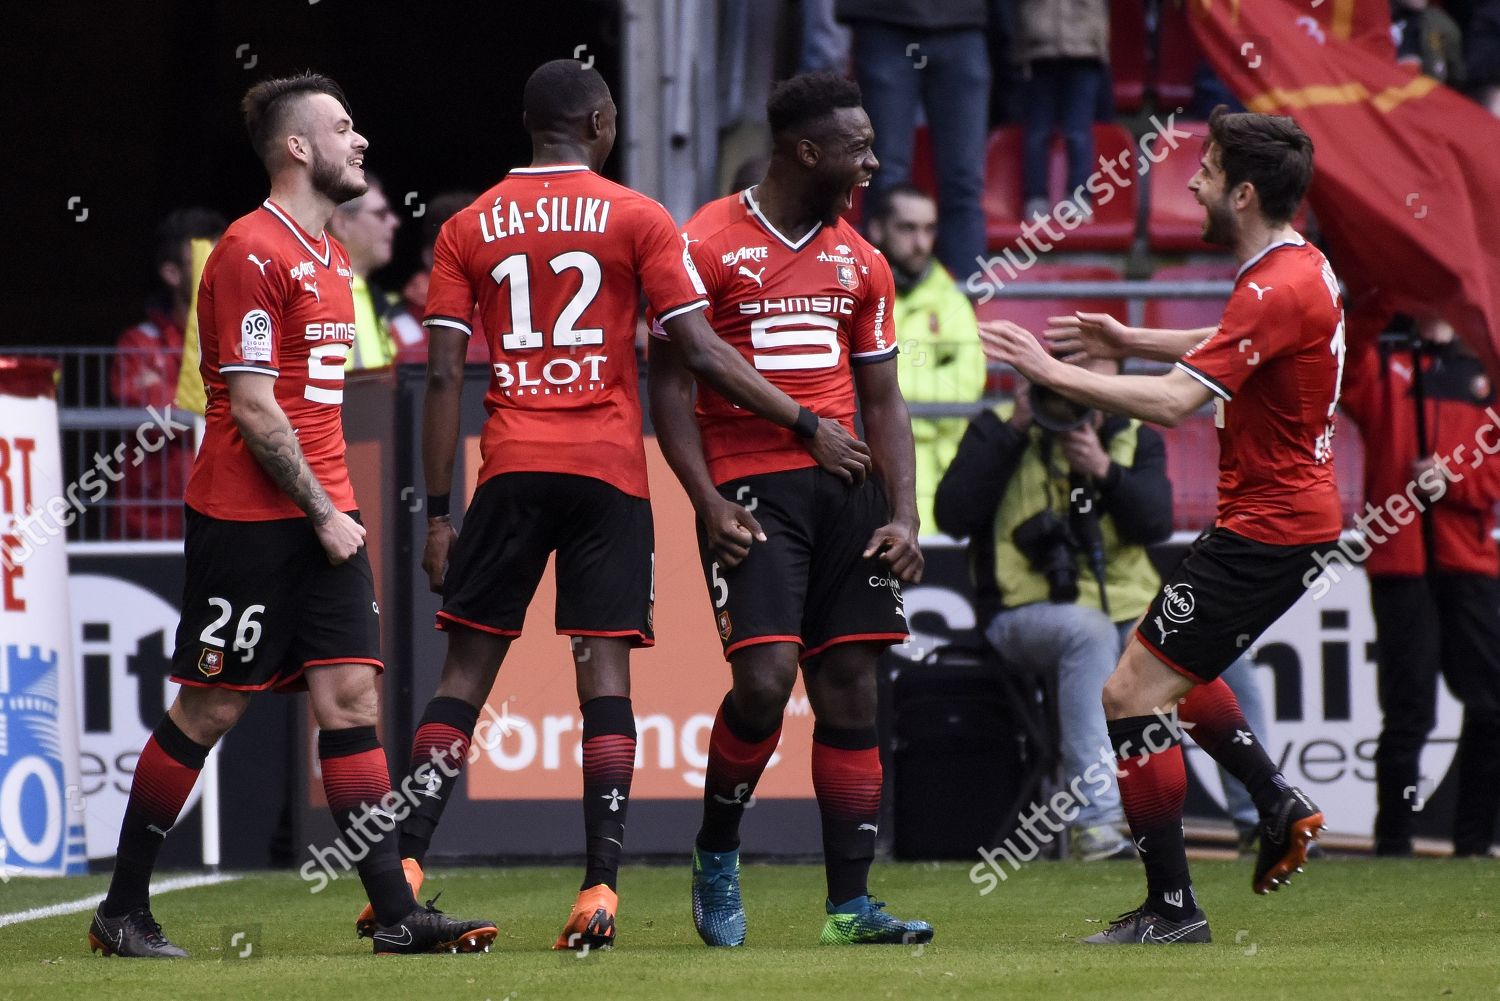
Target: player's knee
x=206, y=715
x=1117, y=696
x=760, y=700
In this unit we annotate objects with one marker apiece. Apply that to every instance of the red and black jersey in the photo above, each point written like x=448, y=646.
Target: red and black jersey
x=803, y=312
x=555, y=259
x=1275, y=364
x=273, y=300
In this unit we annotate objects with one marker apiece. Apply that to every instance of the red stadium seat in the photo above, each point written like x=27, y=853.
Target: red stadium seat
x=1174, y=221
x=1128, y=53
x=1177, y=57
x=1113, y=225
x=1188, y=314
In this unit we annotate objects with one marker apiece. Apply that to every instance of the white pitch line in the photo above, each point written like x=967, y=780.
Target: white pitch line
x=89, y=903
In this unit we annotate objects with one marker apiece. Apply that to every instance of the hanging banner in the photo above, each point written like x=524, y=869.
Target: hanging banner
x=41, y=819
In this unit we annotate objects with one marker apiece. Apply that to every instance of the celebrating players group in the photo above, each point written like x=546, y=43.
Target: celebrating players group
x=771, y=326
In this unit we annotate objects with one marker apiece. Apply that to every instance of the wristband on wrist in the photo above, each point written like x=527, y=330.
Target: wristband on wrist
x=806, y=424
x=437, y=505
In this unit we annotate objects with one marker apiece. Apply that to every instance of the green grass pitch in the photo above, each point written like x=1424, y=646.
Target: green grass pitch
x=1347, y=928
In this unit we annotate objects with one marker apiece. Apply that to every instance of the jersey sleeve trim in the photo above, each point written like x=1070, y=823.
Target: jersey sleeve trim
x=1214, y=386
x=262, y=369
x=448, y=321
x=687, y=307
x=872, y=357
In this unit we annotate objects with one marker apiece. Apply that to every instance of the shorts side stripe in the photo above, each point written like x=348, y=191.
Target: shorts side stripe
x=330, y=661
x=1156, y=652
x=449, y=616
x=610, y=633
x=854, y=638
x=756, y=640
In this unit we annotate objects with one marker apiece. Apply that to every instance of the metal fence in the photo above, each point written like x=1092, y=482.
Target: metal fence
x=145, y=502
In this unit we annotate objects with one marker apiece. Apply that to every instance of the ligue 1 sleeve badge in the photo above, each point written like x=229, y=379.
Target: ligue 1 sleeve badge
x=210, y=662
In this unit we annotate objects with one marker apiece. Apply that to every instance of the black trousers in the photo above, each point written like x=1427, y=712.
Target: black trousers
x=1446, y=624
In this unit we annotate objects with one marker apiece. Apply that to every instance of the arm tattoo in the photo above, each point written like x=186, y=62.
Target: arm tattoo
x=280, y=455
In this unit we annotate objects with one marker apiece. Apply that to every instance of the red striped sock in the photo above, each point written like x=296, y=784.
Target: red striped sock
x=737, y=756
x=439, y=752
x=608, y=766
x=1153, y=788
x=1211, y=715
x=847, y=777
x=356, y=779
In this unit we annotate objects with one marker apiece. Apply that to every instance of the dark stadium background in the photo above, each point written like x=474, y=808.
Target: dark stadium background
x=133, y=108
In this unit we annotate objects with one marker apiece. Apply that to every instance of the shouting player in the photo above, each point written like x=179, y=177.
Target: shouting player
x=814, y=575
x=1273, y=368
x=556, y=258
x=279, y=592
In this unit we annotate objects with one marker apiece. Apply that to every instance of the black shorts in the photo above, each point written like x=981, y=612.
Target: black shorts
x=262, y=604
x=809, y=582
x=1222, y=596
x=606, y=562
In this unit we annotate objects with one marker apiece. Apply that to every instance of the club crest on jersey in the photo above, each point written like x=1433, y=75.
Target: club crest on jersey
x=847, y=276
x=210, y=662
x=726, y=627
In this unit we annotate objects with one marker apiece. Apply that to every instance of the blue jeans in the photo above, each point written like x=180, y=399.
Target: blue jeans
x=825, y=42
x=1081, y=645
x=948, y=74
x=1061, y=94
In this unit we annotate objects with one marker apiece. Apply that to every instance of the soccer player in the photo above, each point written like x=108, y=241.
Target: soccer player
x=814, y=575
x=1273, y=368
x=556, y=258
x=279, y=593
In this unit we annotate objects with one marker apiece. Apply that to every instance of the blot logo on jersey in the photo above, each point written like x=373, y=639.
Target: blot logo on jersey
x=847, y=277
x=211, y=662
x=255, y=336
x=557, y=376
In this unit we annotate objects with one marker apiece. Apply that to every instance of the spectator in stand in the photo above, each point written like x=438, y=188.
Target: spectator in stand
x=366, y=226
x=933, y=55
x=1482, y=54
x=1434, y=579
x=1063, y=47
x=940, y=359
x=1427, y=38
x=143, y=373
x=405, y=321
x=825, y=42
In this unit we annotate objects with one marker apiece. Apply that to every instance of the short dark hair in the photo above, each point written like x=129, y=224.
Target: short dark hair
x=440, y=209
x=561, y=92
x=879, y=206
x=804, y=100
x=1270, y=151
x=268, y=104
x=182, y=225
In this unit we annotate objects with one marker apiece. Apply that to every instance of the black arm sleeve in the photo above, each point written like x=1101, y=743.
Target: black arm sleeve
x=1139, y=496
x=970, y=490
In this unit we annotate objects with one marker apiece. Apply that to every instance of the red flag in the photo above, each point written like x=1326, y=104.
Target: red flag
x=1406, y=181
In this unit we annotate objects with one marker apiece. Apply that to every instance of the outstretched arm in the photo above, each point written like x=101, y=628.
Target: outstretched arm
x=1099, y=335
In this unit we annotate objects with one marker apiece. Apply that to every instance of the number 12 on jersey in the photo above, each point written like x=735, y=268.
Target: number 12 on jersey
x=522, y=336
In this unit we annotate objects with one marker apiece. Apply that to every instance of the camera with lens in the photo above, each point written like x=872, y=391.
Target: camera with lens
x=1054, y=412
x=1048, y=545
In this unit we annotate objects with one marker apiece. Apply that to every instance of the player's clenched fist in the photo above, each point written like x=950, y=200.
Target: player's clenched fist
x=839, y=452
x=730, y=530
x=440, y=537
x=341, y=536
x=895, y=544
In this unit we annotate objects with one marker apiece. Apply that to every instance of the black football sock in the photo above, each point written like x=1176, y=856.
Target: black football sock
x=737, y=755
x=1211, y=715
x=846, y=779
x=356, y=779
x=439, y=752
x=1153, y=787
x=164, y=776
x=608, y=765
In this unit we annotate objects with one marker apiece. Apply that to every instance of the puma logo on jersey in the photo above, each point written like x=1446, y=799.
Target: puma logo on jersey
x=754, y=274
x=313, y=288
x=258, y=263
x=1165, y=632
x=1260, y=293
